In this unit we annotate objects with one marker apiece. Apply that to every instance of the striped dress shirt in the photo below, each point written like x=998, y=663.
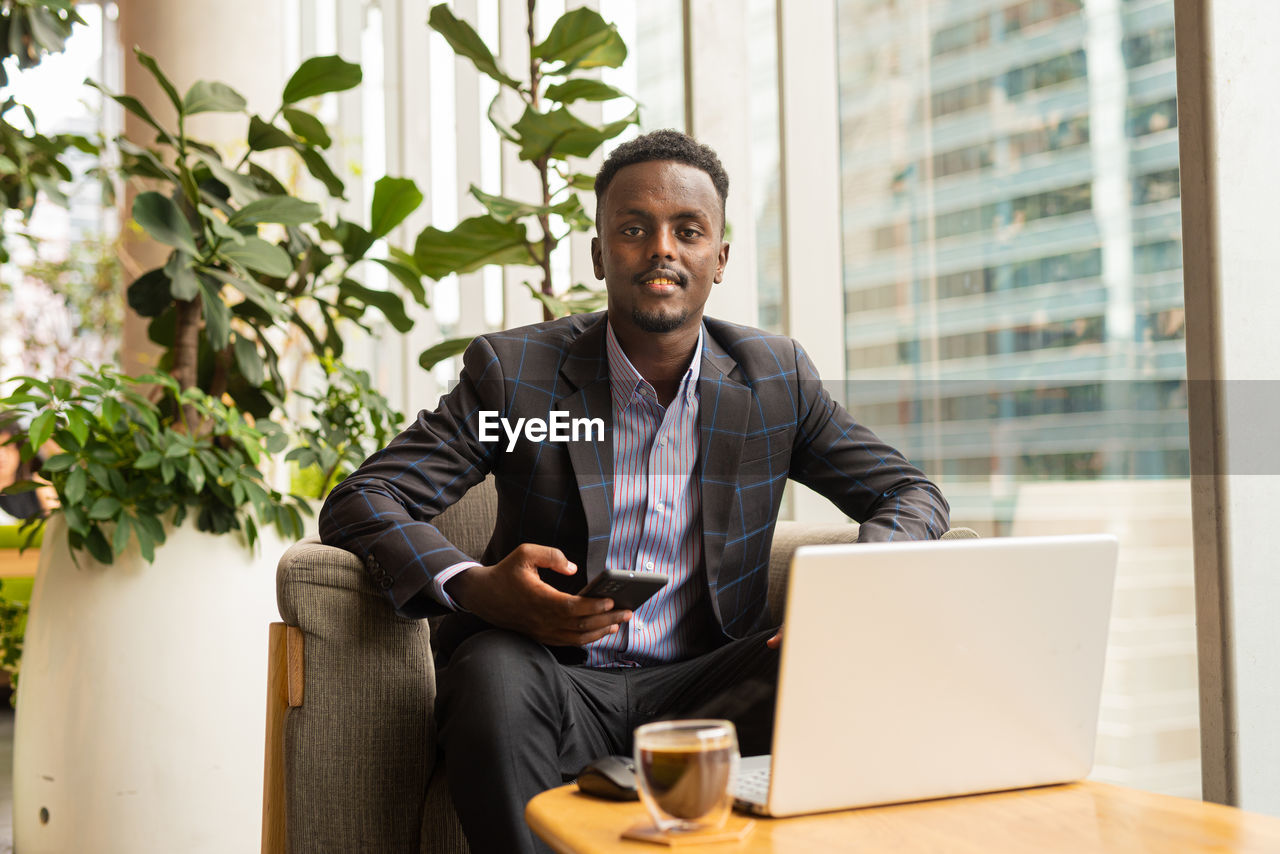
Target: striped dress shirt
x=656, y=523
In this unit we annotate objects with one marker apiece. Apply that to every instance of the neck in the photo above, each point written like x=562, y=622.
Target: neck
x=661, y=357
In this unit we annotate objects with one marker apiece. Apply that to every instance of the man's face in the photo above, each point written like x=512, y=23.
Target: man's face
x=660, y=247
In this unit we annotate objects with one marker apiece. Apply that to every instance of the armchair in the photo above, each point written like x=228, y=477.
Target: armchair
x=351, y=752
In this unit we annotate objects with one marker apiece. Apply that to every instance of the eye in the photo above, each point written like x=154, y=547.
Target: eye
x=633, y=231
x=690, y=233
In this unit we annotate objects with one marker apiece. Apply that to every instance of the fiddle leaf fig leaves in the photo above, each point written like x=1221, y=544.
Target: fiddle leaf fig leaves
x=205, y=96
x=466, y=42
x=320, y=75
x=582, y=39
x=475, y=243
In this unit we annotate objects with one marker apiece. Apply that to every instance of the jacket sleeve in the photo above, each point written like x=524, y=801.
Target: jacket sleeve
x=382, y=512
x=867, y=479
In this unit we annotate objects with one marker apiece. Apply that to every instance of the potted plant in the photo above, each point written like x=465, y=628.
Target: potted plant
x=142, y=696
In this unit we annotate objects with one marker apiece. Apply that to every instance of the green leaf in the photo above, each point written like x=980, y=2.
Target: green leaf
x=581, y=181
x=75, y=487
x=217, y=317
x=131, y=104
x=183, y=284
x=105, y=507
x=438, y=353
x=57, y=463
x=505, y=209
x=195, y=474
x=410, y=278
x=242, y=187
x=389, y=304
x=264, y=137
x=393, y=200
x=255, y=293
x=164, y=221
x=78, y=424
x=220, y=228
x=41, y=429
x=476, y=242
x=260, y=256
x=206, y=96
x=320, y=75
x=97, y=545
x=307, y=127
x=582, y=39
x=121, y=538
x=285, y=210
x=149, y=293
x=248, y=360
x=320, y=170
x=147, y=460
x=148, y=62
x=561, y=134
x=465, y=41
x=582, y=89
x=501, y=207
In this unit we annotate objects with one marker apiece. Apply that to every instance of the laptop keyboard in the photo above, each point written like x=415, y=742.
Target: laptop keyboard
x=753, y=785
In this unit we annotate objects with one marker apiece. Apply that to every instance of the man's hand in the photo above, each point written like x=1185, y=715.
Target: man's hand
x=775, y=642
x=510, y=595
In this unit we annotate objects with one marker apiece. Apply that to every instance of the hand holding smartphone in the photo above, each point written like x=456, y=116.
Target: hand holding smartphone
x=628, y=590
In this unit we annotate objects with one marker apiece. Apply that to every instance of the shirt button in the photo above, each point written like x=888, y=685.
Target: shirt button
x=648, y=564
x=638, y=623
x=663, y=441
x=658, y=507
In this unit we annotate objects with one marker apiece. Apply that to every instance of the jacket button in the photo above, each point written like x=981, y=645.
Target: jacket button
x=385, y=582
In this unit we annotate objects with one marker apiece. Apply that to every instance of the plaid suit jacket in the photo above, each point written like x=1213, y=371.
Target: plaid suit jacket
x=764, y=416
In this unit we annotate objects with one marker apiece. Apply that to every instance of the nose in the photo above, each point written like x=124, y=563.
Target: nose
x=662, y=245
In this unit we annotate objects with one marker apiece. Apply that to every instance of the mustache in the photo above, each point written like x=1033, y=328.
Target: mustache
x=661, y=273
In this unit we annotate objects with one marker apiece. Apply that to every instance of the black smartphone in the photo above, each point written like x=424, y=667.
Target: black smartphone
x=628, y=590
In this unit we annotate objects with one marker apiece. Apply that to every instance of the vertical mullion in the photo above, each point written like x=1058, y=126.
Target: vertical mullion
x=719, y=82
x=470, y=113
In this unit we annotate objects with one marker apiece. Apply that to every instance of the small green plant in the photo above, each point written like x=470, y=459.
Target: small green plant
x=250, y=260
x=137, y=453
x=13, y=627
x=352, y=421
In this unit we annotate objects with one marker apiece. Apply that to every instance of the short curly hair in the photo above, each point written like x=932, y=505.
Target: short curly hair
x=667, y=144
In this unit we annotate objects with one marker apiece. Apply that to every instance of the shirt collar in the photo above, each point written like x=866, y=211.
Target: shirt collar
x=627, y=383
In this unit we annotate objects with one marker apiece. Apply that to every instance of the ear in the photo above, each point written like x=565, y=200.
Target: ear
x=597, y=260
x=724, y=259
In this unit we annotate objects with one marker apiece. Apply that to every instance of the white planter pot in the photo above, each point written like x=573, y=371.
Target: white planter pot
x=142, y=700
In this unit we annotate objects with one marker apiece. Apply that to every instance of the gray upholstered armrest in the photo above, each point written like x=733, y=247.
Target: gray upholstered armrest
x=359, y=750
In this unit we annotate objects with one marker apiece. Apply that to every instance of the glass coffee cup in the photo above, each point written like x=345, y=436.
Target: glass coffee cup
x=685, y=771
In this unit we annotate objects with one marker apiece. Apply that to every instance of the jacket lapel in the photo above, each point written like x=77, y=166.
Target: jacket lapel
x=586, y=370
x=723, y=406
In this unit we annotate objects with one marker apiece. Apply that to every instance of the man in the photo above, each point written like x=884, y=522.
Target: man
x=703, y=423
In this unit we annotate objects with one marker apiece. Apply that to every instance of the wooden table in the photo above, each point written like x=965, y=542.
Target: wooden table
x=1080, y=818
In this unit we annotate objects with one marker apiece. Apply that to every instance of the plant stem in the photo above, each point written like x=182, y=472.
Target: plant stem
x=186, y=342
x=544, y=220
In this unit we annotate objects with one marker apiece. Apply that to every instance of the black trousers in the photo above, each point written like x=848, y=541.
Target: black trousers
x=514, y=722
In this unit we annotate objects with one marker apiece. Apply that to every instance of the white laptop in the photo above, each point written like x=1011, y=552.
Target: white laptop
x=924, y=670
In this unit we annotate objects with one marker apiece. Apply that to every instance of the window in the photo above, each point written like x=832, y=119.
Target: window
x=1013, y=303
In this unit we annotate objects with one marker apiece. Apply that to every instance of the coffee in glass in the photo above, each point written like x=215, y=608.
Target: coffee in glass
x=685, y=771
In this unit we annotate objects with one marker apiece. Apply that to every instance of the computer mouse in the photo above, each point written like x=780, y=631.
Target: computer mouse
x=613, y=777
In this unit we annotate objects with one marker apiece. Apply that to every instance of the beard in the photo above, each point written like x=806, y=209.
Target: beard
x=659, y=321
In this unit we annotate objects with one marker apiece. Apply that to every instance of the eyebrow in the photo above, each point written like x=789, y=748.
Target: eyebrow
x=689, y=214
